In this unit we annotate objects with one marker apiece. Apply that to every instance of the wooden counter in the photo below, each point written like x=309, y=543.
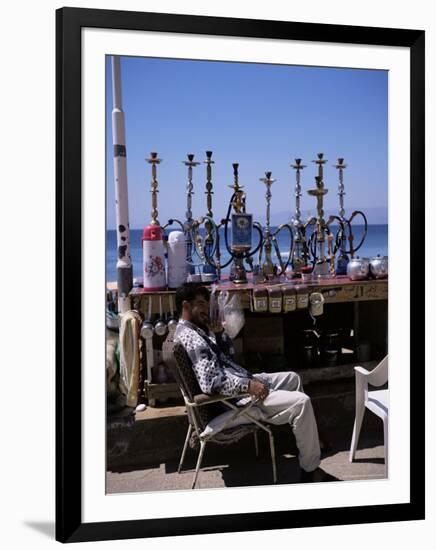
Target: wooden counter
x=338, y=290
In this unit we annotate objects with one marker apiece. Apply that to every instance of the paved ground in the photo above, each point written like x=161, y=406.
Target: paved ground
x=237, y=465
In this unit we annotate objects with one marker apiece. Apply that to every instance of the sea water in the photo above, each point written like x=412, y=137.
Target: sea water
x=376, y=242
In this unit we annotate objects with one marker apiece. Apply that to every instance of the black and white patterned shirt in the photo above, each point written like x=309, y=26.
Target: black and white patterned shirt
x=215, y=371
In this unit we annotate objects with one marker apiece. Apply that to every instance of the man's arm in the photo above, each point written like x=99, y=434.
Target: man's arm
x=211, y=375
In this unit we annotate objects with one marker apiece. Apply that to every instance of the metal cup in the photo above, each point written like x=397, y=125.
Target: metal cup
x=160, y=327
x=147, y=328
x=172, y=321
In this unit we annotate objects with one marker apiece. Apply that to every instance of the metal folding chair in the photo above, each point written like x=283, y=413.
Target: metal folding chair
x=202, y=409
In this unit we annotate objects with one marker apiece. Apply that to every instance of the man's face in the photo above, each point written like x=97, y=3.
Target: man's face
x=197, y=311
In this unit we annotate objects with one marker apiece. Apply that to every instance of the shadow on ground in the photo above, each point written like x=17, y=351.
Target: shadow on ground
x=236, y=465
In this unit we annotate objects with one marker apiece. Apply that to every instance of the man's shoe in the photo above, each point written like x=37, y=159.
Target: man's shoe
x=325, y=447
x=316, y=476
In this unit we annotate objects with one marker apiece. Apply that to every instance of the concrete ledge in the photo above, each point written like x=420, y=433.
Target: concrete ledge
x=155, y=434
x=158, y=434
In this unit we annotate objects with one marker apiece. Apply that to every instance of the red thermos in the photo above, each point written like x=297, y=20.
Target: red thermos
x=153, y=258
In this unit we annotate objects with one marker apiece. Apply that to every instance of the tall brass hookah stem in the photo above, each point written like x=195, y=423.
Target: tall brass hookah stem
x=190, y=163
x=320, y=267
x=268, y=266
x=208, y=243
x=154, y=161
x=209, y=185
x=340, y=166
x=238, y=203
x=344, y=222
x=299, y=255
x=343, y=257
x=341, y=189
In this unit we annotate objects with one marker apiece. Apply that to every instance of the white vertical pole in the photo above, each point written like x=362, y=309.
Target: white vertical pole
x=124, y=262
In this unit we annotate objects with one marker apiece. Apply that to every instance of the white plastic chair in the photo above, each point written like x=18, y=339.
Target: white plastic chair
x=377, y=401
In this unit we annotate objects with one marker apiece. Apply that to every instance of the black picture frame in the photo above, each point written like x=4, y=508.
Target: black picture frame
x=69, y=22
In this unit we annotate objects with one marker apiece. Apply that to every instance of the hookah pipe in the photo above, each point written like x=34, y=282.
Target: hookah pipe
x=210, y=243
x=269, y=238
x=237, y=202
x=205, y=249
x=300, y=250
x=341, y=237
x=187, y=226
x=163, y=237
x=194, y=242
x=153, y=253
x=190, y=163
x=322, y=229
x=154, y=161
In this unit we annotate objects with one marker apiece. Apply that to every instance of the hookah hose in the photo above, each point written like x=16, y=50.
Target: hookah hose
x=300, y=237
x=344, y=221
x=171, y=221
x=283, y=266
x=339, y=234
x=313, y=241
x=198, y=247
x=305, y=250
x=257, y=226
x=365, y=231
x=225, y=223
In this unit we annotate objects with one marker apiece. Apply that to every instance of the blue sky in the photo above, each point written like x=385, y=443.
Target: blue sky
x=262, y=116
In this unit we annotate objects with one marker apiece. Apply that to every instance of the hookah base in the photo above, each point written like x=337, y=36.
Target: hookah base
x=239, y=280
x=209, y=278
x=321, y=271
x=341, y=266
x=324, y=276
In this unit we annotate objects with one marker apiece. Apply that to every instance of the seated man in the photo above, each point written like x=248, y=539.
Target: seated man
x=280, y=394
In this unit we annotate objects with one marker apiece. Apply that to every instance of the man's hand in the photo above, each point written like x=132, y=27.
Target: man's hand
x=257, y=389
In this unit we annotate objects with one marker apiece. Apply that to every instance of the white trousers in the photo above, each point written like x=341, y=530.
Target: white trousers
x=286, y=403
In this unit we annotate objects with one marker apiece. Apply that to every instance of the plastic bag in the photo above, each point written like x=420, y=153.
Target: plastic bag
x=214, y=312
x=231, y=313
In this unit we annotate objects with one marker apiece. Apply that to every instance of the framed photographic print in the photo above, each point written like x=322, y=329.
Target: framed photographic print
x=228, y=194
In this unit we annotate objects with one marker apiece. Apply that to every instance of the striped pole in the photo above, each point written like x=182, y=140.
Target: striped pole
x=124, y=261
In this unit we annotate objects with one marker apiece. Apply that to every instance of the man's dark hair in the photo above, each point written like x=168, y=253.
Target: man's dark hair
x=188, y=292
